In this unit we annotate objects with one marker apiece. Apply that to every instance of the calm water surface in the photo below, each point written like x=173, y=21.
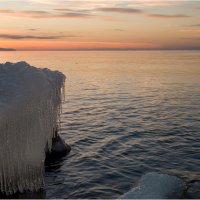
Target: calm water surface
x=125, y=114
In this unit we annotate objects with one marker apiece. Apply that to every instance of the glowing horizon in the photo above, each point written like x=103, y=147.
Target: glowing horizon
x=99, y=24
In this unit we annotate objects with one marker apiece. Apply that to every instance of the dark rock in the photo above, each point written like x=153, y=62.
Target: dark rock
x=59, y=148
x=193, y=191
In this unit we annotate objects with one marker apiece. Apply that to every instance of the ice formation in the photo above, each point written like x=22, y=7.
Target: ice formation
x=30, y=106
x=157, y=186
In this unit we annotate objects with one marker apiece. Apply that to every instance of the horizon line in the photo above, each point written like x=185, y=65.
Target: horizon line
x=169, y=49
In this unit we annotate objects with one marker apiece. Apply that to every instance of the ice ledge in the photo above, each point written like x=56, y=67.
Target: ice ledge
x=30, y=106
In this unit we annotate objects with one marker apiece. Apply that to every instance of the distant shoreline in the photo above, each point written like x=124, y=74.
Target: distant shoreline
x=7, y=49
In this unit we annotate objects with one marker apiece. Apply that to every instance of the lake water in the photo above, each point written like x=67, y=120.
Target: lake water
x=125, y=114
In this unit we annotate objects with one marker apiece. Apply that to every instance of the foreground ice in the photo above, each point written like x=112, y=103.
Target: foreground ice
x=157, y=186
x=30, y=100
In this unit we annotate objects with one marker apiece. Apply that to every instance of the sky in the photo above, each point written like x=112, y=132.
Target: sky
x=99, y=24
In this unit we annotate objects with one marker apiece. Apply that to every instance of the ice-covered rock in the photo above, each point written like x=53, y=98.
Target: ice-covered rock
x=157, y=186
x=30, y=106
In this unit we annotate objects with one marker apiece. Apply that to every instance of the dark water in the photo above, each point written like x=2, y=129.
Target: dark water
x=126, y=113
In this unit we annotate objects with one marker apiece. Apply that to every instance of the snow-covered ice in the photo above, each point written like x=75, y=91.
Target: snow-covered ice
x=157, y=186
x=30, y=106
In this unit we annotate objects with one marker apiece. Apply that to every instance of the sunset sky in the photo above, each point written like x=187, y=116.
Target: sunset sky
x=99, y=24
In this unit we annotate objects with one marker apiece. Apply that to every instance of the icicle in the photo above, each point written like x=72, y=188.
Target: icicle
x=30, y=106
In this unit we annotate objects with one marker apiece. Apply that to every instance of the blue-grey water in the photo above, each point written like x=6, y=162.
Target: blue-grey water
x=125, y=114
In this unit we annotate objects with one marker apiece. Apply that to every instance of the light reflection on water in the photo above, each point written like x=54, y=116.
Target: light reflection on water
x=126, y=113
